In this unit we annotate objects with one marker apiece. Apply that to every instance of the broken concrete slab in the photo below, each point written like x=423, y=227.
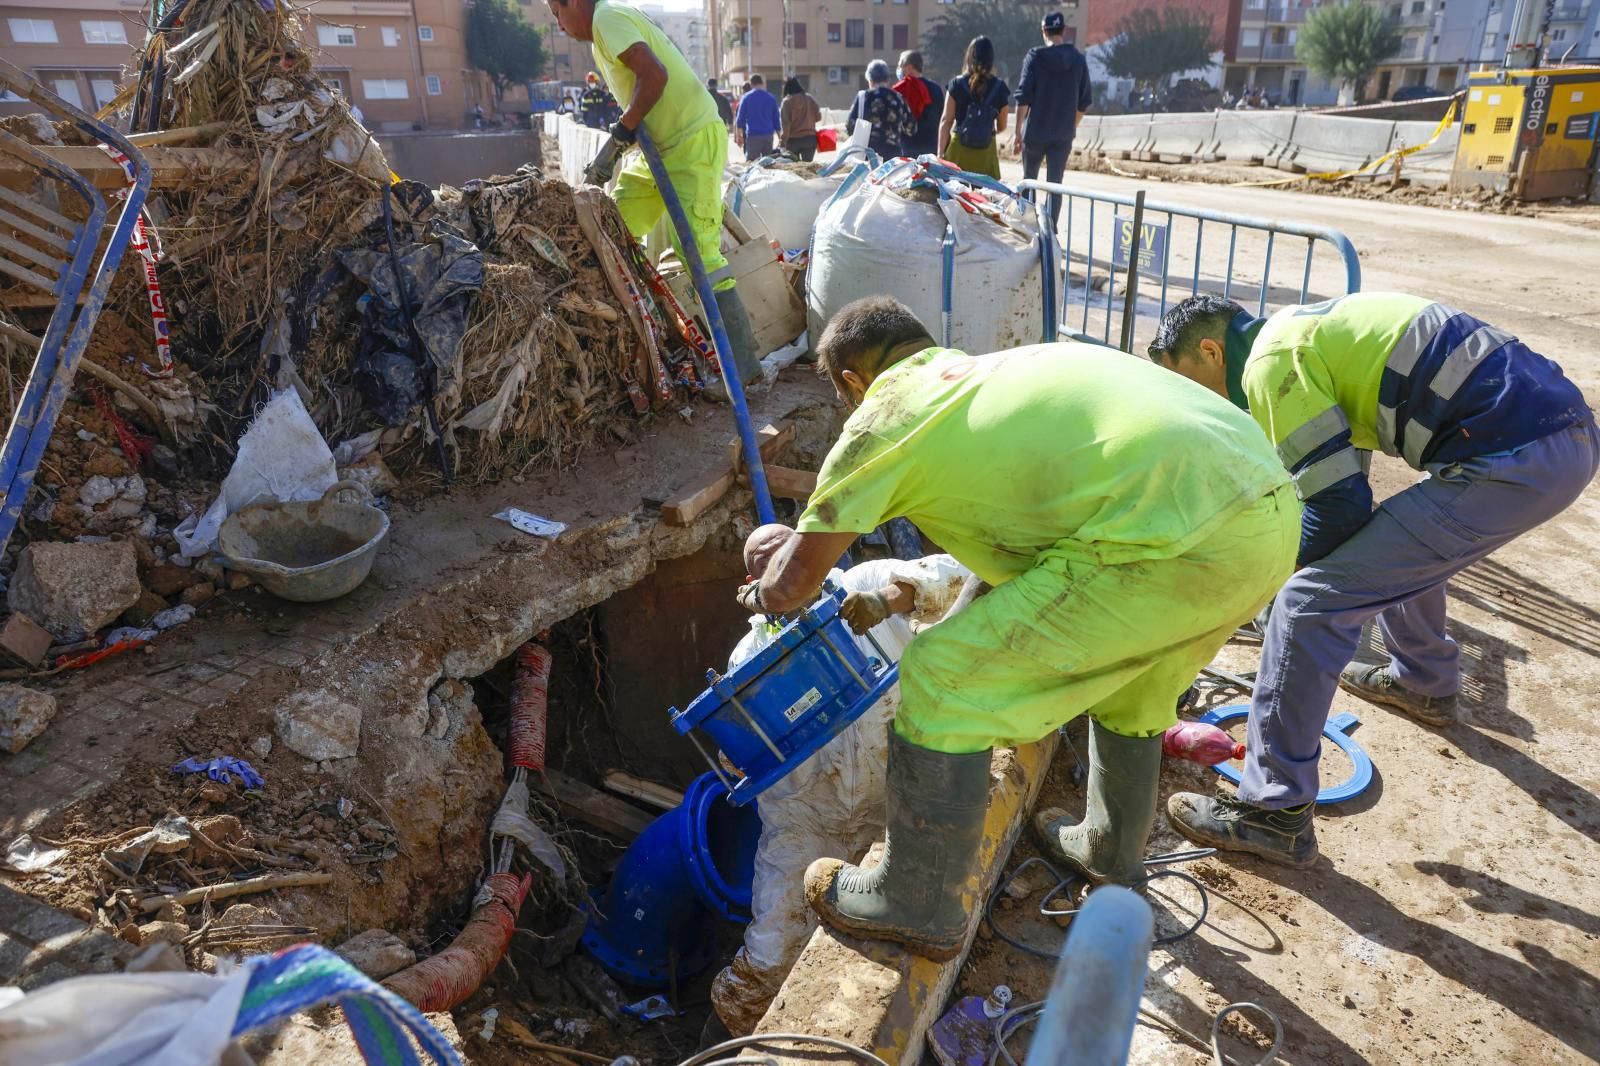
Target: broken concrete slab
x=877, y=995
x=75, y=589
x=377, y=953
x=24, y=714
x=25, y=639
x=319, y=726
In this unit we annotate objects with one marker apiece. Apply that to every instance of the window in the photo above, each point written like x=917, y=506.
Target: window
x=384, y=88
x=1255, y=5
x=901, y=38
x=103, y=32
x=391, y=37
x=836, y=76
x=877, y=36
x=855, y=33
x=434, y=88
x=1418, y=6
x=1294, y=35
x=336, y=36
x=33, y=31
x=425, y=33
x=1558, y=35
x=103, y=89
x=797, y=35
x=1394, y=11
x=67, y=89
x=833, y=33
x=1250, y=38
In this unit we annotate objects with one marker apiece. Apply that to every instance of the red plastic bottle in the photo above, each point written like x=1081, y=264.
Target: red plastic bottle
x=1200, y=742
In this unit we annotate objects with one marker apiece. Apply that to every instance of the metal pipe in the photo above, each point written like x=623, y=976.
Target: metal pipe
x=719, y=333
x=1130, y=297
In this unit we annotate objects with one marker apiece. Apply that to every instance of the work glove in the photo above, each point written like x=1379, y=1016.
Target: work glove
x=863, y=610
x=749, y=597
x=600, y=171
x=624, y=134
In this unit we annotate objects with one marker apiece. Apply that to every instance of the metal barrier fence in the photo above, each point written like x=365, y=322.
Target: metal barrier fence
x=1108, y=247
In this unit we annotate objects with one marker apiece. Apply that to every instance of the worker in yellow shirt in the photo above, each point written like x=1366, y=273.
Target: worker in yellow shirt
x=644, y=68
x=1127, y=521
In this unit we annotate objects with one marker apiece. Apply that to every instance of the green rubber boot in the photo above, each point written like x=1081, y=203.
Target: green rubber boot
x=742, y=339
x=916, y=893
x=1108, y=845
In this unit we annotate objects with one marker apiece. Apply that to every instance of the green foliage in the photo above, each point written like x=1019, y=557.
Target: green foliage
x=1013, y=26
x=1346, y=41
x=504, y=45
x=1151, y=44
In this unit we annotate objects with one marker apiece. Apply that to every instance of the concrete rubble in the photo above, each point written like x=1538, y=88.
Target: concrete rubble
x=75, y=589
x=319, y=726
x=24, y=714
x=377, y=953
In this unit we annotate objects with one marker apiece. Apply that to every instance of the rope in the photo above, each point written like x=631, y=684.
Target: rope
x=1372, y=167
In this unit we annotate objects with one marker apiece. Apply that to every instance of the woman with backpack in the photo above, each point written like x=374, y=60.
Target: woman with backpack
x=885, y=111
x=975, y=109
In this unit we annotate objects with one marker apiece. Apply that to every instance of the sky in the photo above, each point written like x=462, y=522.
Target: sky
x=680, y=5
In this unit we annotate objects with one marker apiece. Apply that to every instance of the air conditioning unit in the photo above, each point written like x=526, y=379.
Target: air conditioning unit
x=836, y=76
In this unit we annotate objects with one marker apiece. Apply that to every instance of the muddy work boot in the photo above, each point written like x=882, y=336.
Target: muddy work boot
x=742, y=339
x=916, y=893
x=1376, y=684
x=1108, y=845
x=1285, y=837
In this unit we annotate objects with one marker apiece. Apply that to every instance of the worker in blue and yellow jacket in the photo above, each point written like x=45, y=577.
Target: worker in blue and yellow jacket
x=597, y=108
x=1506, y=441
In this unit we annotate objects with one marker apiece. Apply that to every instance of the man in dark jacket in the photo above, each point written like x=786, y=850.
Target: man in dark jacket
x=1052, y=98
x=724, y=105
x=926, y=106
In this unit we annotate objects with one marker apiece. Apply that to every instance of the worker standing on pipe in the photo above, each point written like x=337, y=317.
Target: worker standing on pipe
x=832, y=804
x=643, y=67
x=1127, y=521
x=1507, y=443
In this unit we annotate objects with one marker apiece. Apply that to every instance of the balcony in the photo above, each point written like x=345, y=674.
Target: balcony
x=1282, y=12
x=1570, y=12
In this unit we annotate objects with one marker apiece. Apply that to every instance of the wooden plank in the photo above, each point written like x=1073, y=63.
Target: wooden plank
x=168, y=166
x=606, y=813
x=787, y=483
x=699, y=495
x=657, y=795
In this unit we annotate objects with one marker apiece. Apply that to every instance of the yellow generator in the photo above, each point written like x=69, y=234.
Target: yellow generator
x=1530, y=133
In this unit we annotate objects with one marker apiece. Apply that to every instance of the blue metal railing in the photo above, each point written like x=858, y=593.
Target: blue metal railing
x=1081, y=298
x=63, y=276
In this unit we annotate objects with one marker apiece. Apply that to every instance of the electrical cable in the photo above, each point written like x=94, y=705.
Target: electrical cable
x=709, y=1055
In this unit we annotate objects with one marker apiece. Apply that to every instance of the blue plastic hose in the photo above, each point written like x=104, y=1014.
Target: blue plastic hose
x=719, y=334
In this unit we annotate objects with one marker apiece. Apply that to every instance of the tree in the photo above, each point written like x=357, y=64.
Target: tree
x=1346, y=41
x=1013, y=26
x=504, y=45
x=1152, y=44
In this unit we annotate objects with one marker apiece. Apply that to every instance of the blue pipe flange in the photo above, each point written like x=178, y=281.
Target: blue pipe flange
x=1337, y=729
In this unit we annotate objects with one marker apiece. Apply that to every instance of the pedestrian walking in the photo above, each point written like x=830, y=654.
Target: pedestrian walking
x=724, y=105
x=1052, y=98
x=975, y=110
x=755, y=126
x=884, y=110
x=797, y=121
x=925, y=98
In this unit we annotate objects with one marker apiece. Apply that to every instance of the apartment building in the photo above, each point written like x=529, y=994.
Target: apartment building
x=1440, y=41
x=402, y=62
x=827, y=44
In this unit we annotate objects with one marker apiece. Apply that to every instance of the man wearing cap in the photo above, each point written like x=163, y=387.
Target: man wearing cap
x=1506, y=442
x=1052, y=98
x=663, y=94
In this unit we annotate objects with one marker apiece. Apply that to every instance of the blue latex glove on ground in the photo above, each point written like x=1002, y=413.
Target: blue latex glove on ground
x=222, y=769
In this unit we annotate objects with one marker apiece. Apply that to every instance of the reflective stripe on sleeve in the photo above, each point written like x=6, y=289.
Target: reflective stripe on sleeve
x=1313, y=435
x=1325, y=472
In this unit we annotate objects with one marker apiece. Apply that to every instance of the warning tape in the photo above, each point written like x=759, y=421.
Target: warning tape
x=147, y=243
x=1372, y=167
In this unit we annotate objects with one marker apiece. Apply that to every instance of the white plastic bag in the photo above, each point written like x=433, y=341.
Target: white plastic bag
x=282, y=456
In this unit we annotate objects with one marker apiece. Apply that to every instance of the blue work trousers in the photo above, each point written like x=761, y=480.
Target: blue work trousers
x=1394, y=568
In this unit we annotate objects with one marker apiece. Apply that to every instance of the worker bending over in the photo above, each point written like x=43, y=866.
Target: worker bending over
x=1128, y=522
x=663, y=94
x=1507, y=442
x=832, y=804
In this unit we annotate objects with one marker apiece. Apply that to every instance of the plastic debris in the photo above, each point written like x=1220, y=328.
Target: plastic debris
x=650, y=1008
x=26, y=856
x=490, y=1016
x=222, y=769
x=173, y=616
x=532, y=523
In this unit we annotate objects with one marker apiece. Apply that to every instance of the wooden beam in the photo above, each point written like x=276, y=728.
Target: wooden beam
x=606, y=813
x=638, y=788
x=787, y=483
x=169, y=167
x=700, y=495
